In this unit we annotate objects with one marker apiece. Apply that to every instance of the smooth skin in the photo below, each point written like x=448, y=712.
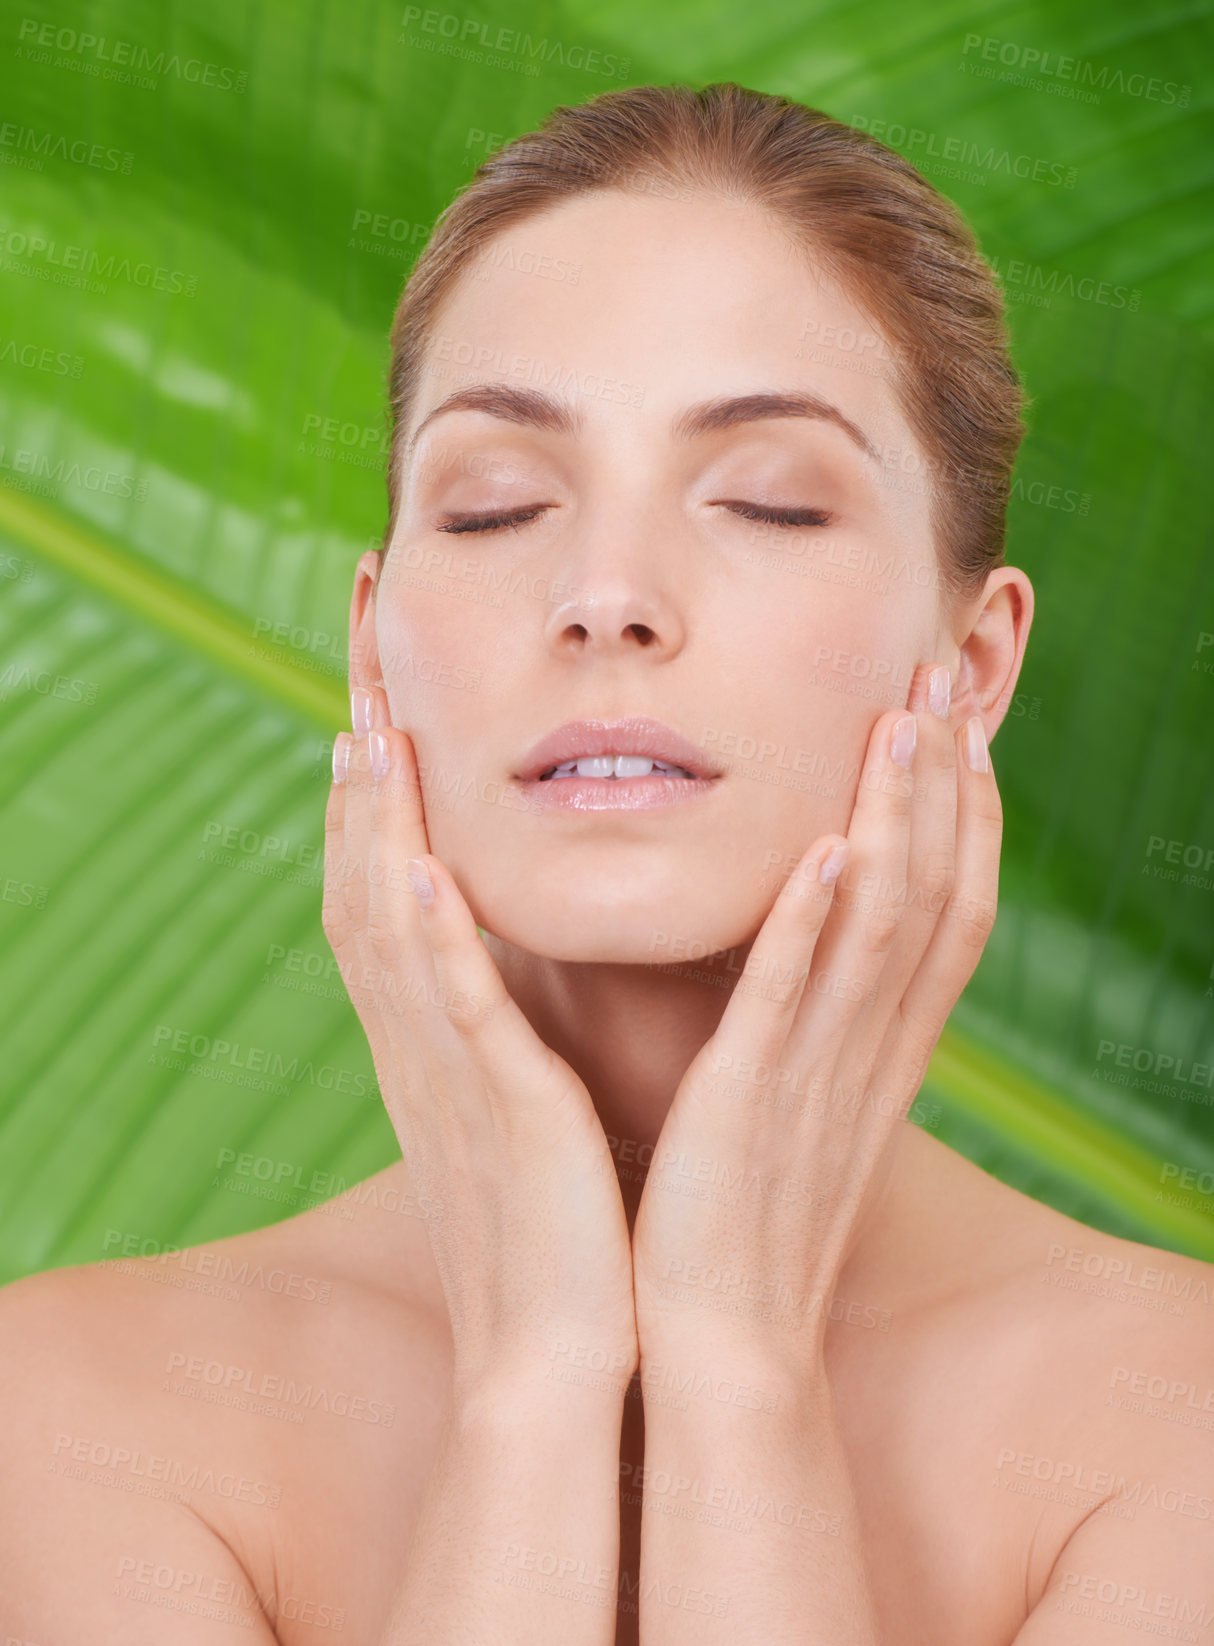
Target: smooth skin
x=655, y=1121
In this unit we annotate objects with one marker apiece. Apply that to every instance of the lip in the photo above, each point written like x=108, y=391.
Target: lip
x=638, y=736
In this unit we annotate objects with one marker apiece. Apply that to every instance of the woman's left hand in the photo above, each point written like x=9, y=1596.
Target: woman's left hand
x=776, y=1128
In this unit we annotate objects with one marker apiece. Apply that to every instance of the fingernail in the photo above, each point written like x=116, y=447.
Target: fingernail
x=341, y=756
x=938, y=692
x=902, y=743
x=419, y=880
x=976, y=757
x=832, y=865
x=381, y=755
x=360, y=710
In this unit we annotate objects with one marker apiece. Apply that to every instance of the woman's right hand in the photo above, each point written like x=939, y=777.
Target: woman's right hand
x=499, y=1135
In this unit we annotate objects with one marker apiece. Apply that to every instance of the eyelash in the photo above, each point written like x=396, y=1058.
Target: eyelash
x=759, y=512
x=488, y=522
x=782, y=517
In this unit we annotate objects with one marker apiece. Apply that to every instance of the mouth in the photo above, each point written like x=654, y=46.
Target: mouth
x=613, y=767
x=604, y=765
x=615, y=751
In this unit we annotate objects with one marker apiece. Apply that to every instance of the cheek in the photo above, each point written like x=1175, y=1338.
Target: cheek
x=823, y=660
x=431, y=657
x=867, y=659
x=831, y=665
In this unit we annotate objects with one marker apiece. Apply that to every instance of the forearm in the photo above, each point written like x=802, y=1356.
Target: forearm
x=750, y=1529
x=517, y=1541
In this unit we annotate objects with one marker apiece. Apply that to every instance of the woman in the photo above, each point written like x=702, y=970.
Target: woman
x=676, y=676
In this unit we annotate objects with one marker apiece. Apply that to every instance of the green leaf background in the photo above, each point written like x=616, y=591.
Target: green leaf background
x=205, y=221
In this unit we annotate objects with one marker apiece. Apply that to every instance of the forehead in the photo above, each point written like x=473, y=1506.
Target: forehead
x=671, y=299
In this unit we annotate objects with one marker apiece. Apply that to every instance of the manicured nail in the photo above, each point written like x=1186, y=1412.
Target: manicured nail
x=419, y=880
x=976, y=757
x=902, y=743
x=938, y=692
x=832, y=865
x=381, y=755
x=341, y=756
x=360, y=710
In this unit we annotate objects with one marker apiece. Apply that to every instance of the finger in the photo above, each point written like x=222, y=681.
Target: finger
x=344, y=889
x=368, y=710
x=353, y=864
x=967, y=919
x=335, y=916
x=931, y=859
x=871, y=902
x=764, y=1001
x=394, y=832
x=524, y=1077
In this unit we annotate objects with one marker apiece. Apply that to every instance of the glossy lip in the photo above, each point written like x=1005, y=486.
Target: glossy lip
x=616, y=794
x=639, y=736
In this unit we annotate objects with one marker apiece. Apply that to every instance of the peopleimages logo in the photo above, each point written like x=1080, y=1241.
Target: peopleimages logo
x=122, y=60
x=73, y=265
x=471, y=37
x=923, y=148
x=1076, y=71
x=1036, y=284
x=53, y=145
x=259, y=1059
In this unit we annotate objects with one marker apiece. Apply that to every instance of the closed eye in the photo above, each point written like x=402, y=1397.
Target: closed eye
x=490, y=522
x=771, y=516
x=761, y=512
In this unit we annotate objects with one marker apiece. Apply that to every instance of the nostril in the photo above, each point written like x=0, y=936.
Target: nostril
x=644, y=634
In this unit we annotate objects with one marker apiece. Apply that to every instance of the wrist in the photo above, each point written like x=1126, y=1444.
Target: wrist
x=734, y=1315
x=723, y=1436
x=542, y=1380
x=717, y=1373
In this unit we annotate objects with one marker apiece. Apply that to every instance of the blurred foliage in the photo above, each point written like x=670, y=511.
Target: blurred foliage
x=206, y=216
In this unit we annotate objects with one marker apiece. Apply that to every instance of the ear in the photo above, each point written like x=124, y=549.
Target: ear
x=365, y=667
x=991, y=633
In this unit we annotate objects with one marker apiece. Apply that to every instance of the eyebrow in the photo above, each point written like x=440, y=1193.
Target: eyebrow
x=536, y=409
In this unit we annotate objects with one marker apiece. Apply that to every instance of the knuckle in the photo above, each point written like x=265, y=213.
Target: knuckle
x=882, y=926
x=465, y=1013
x=937, y=878
x=922, y=1035
x=975, y=917
x=382, y=935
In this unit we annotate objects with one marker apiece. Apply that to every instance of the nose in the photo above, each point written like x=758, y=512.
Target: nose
x=618, y=610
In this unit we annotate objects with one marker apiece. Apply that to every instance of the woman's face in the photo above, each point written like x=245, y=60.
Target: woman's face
x=636, y=583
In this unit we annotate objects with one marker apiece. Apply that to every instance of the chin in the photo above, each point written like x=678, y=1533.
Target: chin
x=590, y=925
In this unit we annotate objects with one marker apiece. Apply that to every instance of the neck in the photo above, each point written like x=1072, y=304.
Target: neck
x=629, y=1032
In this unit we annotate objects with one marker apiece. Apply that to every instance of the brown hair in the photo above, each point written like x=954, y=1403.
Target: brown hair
x=901, y=251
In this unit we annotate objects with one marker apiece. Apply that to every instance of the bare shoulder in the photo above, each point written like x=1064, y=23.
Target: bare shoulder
x=101, y=1486
x=1138, y=1322
x=229, y=1409
x=974, y=1237
x=1098, y=1341
x=1042, y=1357
x=1120, y=1303
x=1103, y=1459
x=1054, y=1410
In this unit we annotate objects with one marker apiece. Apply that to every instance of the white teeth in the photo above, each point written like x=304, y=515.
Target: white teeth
x=617, y=765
